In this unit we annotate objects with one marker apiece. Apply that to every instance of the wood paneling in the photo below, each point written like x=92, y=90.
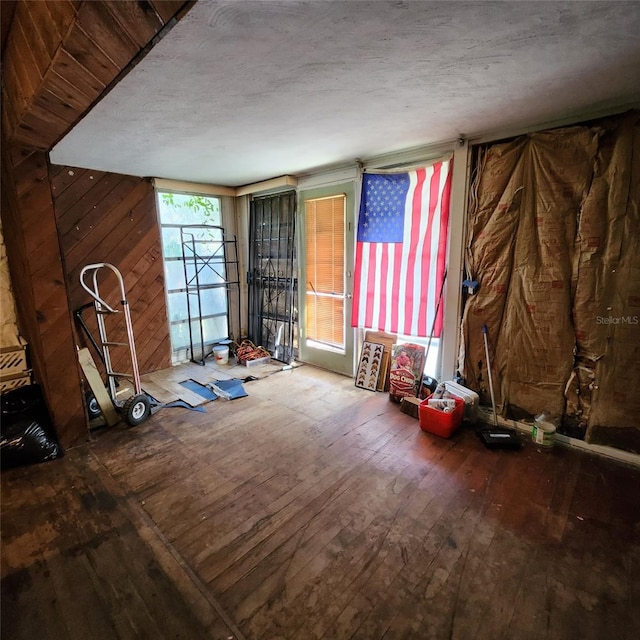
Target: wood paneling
x=59, y=58
x=71, y=51
x=7, y=11
x=41, y=296
x=107, y=217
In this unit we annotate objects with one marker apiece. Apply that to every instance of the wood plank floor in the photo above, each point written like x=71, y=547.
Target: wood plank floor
x=312, y=509
x=165, y=385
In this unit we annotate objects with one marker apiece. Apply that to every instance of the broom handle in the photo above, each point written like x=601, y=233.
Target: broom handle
x=486, y=350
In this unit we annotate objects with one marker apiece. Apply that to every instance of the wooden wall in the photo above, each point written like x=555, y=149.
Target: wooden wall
x=59, y=58
x=106, y=217
x=61, y=55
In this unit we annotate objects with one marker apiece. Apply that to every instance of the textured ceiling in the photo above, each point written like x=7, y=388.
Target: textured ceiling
x=244, y=91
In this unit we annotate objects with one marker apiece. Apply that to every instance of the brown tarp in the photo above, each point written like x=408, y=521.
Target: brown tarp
x=554, y=241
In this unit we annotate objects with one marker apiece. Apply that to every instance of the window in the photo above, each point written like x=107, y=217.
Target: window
x=325, y=286
x=210, y=315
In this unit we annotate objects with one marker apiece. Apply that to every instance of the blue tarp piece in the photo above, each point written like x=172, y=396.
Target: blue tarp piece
x=229, y=389
x=184, y=405
x=200, y=389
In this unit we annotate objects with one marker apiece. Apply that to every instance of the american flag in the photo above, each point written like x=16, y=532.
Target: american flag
x=401, y=250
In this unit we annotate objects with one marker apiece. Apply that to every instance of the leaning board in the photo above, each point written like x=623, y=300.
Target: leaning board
x=94, y=379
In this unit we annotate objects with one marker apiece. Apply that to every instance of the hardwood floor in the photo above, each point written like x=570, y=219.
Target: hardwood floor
x=312, y=509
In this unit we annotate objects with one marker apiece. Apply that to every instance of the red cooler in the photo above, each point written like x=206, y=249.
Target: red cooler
x=440, y=422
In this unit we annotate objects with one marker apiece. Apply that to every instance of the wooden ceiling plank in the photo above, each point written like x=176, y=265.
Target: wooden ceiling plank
x=167, y=9
x=62, y=14
x=37, y=49
x=42, y=110
x=9, y=116
x=33, y=171
x=138, y=19
x=20, y=154
x=61, y=87
x=57, y=106
x=25, y=134
x=26, y=70
x=83, y=49
x=15, y=87
x=10, y=85
x=7, y=13
x=44, y=24
x=78, y=76
x=103, y=29
x=39, y=126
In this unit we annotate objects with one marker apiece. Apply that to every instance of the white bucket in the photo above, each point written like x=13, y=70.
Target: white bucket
x=221, y=354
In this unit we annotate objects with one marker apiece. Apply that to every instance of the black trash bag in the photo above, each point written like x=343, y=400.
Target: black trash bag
x=26, y=433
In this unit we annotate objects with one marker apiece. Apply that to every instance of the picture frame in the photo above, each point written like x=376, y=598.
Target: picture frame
x=369, y=366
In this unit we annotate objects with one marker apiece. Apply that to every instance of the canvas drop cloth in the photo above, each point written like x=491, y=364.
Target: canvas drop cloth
x=554, y=241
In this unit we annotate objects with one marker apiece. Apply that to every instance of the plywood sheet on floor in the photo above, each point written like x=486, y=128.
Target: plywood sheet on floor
x=164, y=385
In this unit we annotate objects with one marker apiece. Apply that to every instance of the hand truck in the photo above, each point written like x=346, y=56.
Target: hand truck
x=136, y=408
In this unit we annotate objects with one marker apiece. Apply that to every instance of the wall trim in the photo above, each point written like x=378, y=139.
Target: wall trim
x=272, y=185
x=485, y=414
x=452, y=300
x=583, y=116
x=413, y=157
x=329, y=177
x=180, y=186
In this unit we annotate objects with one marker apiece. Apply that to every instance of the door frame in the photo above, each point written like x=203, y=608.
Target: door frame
x=343, y=363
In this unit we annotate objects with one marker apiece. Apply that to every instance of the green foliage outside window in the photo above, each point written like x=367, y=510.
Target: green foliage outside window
x=189, y=209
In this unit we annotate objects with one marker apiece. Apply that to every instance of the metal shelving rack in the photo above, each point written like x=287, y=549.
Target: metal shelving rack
x=209, y=253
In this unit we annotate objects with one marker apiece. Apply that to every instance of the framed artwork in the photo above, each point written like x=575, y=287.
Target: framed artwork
x=388, y=340
x=369, y=366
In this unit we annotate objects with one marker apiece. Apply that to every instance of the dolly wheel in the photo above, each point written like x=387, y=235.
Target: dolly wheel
x=92, y=406
x=137, y=409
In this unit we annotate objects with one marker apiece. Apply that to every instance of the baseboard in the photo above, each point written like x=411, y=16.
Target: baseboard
x=486, y=415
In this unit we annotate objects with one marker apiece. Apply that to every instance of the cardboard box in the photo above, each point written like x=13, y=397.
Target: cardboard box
x=407, y=365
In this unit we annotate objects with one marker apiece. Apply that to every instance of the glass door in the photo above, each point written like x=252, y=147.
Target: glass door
x=327, y=247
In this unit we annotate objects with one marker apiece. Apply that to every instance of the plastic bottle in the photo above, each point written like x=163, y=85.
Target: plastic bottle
x=439, y=392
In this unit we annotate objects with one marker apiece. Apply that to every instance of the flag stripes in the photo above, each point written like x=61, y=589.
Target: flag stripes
x=396, y=284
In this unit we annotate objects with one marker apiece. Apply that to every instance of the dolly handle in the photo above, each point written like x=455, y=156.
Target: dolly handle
x=94, y=292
